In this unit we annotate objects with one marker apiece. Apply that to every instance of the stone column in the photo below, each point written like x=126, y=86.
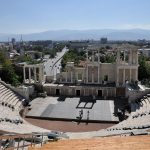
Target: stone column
x=82, y=77
x=117, y=77
x=118, y=56
x=66, y=76
x=124, y=58
x=130, y=75
x=137, y=57
x=24, y=74
x=130, y=57
x=87, y=55
x=92, y=75
x=98, y=73
x=35, y=78
x=40, y=75
x=61, y=78
x=123, y=76
x=98, y=57
x=71, y=76
x=92, y=56
x=87, y=74
x=29, y=75
x=136, y=74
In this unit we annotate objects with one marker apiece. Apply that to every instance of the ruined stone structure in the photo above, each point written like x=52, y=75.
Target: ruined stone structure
x=33, y=73
x=96, y=78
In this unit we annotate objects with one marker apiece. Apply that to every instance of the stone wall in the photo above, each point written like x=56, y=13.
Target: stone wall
x=24, y=91
x=65, y=90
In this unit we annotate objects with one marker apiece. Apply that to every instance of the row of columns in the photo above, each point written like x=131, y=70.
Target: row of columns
x=124, y=75
x=87, y=75
x=40, y=73
x=87, y=70
x=71, y=78
x=133, y=57
x=93, y=60
x=98, y=75
x=83, y=91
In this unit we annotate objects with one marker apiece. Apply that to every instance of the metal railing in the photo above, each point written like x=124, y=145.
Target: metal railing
x=22, y=141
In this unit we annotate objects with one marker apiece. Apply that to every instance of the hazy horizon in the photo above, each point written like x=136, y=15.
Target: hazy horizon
x=78, y=30
x=95, y=34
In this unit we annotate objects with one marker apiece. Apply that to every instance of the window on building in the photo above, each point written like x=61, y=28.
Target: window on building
x=79, y=76
x=106, y=78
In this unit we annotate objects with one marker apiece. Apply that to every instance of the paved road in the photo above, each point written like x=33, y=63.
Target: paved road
x=53, y=66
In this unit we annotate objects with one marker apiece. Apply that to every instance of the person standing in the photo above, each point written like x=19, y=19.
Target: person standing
x=88, y=115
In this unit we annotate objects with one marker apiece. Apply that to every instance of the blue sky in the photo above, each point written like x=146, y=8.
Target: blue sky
x=29, y=16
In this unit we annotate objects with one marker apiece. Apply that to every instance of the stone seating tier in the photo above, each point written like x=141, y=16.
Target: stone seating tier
x=139, y=117
x=10, y=119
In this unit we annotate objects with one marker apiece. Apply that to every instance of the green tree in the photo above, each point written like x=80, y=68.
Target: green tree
x=74, y=56
x=108, y=59
x=144, y=69
x=8, y=73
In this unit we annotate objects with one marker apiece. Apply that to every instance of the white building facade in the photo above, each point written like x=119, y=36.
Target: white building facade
x=96, y=78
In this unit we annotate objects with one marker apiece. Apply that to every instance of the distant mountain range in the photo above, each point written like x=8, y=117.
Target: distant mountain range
x=111, y=34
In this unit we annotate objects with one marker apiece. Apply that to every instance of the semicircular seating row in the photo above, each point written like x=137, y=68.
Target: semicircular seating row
x=10, y=119
x=139, y=118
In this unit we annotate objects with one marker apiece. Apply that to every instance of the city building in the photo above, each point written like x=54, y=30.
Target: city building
x=103, y=40
x=145, y=52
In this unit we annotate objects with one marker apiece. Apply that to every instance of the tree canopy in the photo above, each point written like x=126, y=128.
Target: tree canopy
x=144, y=70
x=73, y=55
x=8, y=73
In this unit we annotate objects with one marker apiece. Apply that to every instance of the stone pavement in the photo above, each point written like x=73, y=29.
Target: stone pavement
x=70, y=108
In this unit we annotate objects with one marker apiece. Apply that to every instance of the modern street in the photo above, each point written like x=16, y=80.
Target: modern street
x=53, y=66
